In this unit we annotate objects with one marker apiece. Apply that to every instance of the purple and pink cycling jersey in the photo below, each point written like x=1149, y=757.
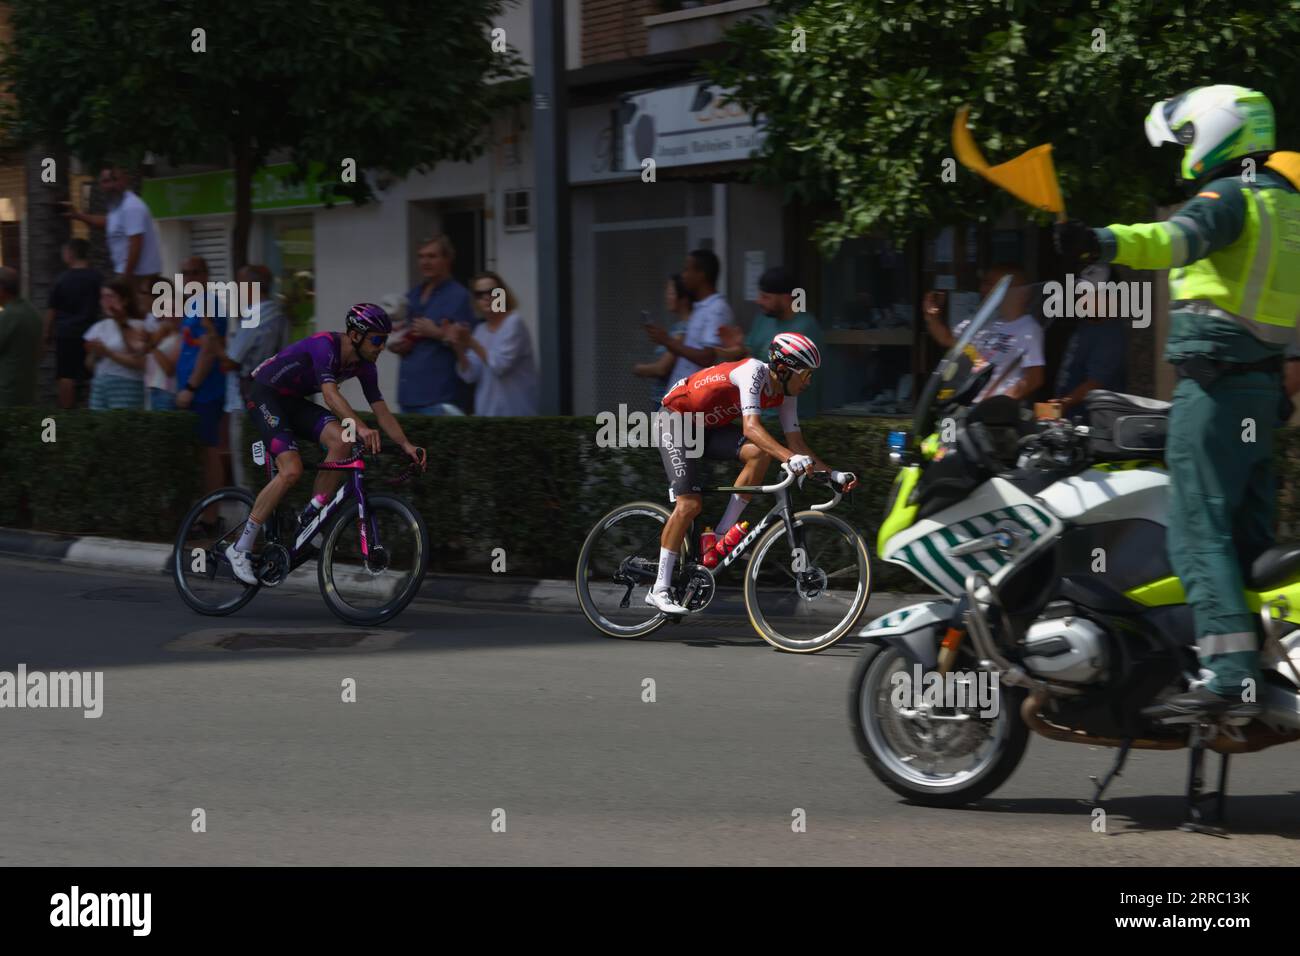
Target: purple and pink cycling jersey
x=302, y=368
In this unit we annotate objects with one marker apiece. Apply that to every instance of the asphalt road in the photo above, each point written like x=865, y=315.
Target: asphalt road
x=466, y=715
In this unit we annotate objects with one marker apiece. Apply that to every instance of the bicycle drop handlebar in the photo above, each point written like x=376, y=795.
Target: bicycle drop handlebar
x=359, y=451
x=791, y=477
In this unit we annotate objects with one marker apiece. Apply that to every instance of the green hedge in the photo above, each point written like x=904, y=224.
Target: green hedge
x=533, y=486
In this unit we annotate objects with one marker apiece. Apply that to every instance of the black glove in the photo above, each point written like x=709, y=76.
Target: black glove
x=1076, y=241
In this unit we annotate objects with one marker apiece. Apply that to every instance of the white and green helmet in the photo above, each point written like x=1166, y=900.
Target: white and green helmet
x=1215, y=124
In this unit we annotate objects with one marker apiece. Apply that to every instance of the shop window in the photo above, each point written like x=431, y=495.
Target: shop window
x=868, y=313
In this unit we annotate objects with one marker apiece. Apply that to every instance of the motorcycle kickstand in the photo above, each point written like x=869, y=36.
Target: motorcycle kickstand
x=1196, y=821
x=1114, y=770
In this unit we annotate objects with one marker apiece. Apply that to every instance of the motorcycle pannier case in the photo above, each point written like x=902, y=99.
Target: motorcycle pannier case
x=1123, y=427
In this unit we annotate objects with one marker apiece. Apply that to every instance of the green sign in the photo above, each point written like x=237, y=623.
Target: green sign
x=208, y=194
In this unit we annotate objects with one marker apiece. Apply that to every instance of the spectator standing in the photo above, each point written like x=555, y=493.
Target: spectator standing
x=163, y=343
x=776, y=314
x=73, y=307
x=498, y=355
x=427, y=381
x=677, y=302
x=258, y=336
x=201, y=381
x=20, y=343
x=1014, y=334
x=115, y=347
x=710, y=314
x=131, y=232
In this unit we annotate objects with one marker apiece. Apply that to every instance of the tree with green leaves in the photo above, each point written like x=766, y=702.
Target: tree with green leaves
x=859, y=97
x=388, y=84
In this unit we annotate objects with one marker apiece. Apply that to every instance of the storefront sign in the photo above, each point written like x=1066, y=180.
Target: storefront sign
x=684, y=125
x=213, y=194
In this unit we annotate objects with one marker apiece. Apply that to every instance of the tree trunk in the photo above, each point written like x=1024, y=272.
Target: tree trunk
x=244, y=169
x=44, y=230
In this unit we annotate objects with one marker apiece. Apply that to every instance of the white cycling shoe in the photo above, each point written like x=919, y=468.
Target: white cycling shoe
x=241, y=564
x=663, y=600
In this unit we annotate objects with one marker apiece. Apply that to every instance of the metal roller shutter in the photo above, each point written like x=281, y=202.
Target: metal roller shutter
x=210, y=239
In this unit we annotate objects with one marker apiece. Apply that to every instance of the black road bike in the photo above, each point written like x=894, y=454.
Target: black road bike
x=807, y=575
x=370, y=562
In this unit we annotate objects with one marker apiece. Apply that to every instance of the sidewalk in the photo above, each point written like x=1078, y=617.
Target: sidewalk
x=549, y=595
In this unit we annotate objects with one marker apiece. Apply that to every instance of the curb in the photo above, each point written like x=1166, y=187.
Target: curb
x=546, y=595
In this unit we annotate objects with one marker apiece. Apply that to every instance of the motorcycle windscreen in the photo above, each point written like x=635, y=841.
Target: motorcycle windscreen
x=957, y=365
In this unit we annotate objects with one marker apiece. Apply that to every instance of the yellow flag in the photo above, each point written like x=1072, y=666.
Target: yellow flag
x=1031, y=176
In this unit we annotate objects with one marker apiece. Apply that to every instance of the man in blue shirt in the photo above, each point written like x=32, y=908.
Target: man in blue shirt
x=200, y=381
x=427, y=382
x=1095, y=356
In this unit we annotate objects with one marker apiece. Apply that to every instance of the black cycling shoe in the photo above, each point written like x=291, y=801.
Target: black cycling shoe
x=1201, y=702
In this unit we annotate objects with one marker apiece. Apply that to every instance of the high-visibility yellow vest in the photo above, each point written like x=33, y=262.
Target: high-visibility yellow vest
x=1257, y=278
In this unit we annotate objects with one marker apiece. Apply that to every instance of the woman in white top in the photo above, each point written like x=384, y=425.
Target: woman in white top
x=498, y=354
x=164, y=344
x=115, y=349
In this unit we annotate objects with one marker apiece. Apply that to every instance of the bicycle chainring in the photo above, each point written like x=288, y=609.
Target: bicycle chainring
x=699, y=589
x=273, y=565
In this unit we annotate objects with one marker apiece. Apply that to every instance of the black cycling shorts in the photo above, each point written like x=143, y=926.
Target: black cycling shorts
x=280, y=418
x=720, y=444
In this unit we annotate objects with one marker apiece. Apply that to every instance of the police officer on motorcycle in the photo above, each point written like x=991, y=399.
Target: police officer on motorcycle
x=1234, y=255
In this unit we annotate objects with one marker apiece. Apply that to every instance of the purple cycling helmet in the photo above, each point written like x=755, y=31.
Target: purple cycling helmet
x=366, y=317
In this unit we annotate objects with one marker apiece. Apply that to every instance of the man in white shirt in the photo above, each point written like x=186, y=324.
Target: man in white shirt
x=1013, y=334
x=702, y=345
x=132, y=234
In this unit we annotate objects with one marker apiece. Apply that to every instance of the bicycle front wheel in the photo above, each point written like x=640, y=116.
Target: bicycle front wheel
x=804, y=601
x=202, y=574
x=368, y=580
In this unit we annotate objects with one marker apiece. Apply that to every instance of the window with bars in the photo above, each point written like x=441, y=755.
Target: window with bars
x=518, y=210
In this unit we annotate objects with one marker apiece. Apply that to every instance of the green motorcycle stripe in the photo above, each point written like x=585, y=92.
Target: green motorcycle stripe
x=970, y=560
x=940, y=562
x=920, y=568
x=1009, y=514
x=997, y=557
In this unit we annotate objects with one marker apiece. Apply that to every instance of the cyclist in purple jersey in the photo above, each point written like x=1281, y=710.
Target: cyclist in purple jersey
x=304, y=367
x=281, y=409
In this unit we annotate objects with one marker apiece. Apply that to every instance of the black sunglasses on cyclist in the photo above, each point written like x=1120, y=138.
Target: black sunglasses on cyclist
x=379, y=340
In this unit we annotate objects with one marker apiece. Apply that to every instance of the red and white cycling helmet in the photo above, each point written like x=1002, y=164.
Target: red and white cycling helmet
x=794, y=351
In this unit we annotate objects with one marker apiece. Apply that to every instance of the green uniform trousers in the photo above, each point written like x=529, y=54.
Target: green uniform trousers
x=1221, y=507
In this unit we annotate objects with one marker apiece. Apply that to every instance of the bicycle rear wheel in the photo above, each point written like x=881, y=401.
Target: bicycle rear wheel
x=199, y=567
x=368, y=582
x=805, y=603
x=617, y=567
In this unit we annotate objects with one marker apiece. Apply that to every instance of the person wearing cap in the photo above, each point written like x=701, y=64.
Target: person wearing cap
x=776, y=314
x=1233, y=252
x=1095, y=355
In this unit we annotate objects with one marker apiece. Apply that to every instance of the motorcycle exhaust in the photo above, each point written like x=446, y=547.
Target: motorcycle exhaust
x=1255, y=737
x=1035, y=722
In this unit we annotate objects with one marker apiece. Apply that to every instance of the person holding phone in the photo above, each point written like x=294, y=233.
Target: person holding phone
x=677, y=303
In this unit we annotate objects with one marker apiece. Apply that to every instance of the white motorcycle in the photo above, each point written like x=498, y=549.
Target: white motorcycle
x=1047, y=544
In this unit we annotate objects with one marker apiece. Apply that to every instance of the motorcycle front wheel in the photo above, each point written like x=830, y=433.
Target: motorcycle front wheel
x=934, y=756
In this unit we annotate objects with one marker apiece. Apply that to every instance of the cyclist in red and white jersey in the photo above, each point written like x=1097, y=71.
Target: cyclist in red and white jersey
x=722, y=394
